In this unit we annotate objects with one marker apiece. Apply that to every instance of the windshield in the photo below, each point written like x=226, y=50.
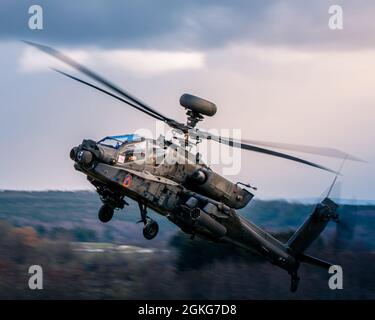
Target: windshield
x=117, y=141
x=109, y=142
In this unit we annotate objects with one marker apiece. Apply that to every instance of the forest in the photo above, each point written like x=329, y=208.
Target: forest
x=44, y=228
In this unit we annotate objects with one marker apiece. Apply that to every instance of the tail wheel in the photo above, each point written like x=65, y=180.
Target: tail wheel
x=105, y=213
x=150, y=230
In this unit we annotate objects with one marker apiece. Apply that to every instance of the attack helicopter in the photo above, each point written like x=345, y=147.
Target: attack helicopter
x=166, y=177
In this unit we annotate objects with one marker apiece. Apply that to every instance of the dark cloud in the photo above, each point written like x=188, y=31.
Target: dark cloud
x=114, y=23
x=190, y=24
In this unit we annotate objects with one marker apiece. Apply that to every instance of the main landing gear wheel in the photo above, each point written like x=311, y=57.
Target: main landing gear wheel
x=105, y=213
x=151, y=229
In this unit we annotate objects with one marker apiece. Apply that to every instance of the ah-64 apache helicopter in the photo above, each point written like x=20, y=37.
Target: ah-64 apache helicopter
x=166, y=177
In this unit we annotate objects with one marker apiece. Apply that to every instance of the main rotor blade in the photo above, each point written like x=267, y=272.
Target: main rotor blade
x=237, y=144
x=108, y=93
x=322, y=151
x=95, y=76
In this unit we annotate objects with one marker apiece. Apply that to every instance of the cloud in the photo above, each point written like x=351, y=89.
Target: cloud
x=32, y=60
x=151, y=61
x=177, y=25
x=277, y=94
x=139, y=62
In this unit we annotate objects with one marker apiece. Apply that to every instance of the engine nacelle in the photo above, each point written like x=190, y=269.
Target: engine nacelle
x=218, y=188
x=199, y=176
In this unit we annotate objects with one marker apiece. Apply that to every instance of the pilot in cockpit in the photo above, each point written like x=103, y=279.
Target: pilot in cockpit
x=132, y=157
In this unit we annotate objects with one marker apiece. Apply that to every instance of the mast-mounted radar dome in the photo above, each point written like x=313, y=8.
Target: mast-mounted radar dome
x=197, y=108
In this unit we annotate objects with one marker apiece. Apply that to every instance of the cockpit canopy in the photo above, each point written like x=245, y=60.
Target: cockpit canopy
x=117, y=141
x=132, y=147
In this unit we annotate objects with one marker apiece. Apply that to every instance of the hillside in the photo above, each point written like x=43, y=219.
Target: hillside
x=52, y=212
x=85, y=259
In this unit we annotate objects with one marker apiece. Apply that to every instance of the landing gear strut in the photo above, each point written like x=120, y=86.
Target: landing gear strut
x=112, y=199
x=151, y=227
x=105, y=213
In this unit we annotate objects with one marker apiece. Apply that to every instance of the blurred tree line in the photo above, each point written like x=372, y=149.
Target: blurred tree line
x=189, y=269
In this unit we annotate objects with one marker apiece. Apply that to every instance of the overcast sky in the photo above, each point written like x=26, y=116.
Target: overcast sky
x=274, y=69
